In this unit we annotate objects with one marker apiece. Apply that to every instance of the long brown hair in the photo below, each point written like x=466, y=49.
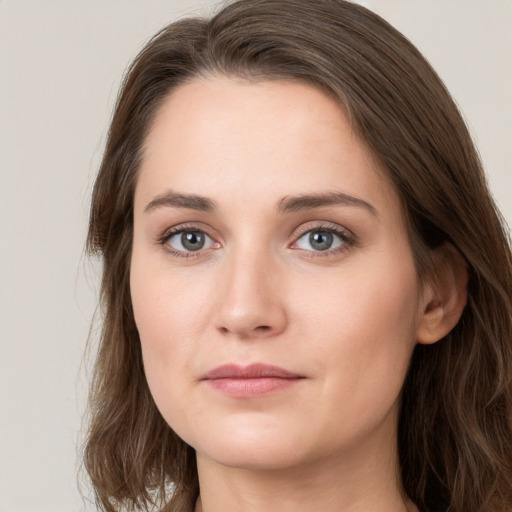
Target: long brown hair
x=455, y=432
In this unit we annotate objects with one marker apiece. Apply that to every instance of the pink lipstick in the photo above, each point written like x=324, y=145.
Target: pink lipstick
x=255, y=380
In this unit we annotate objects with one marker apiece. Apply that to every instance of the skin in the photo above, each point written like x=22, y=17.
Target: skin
x=346, y=320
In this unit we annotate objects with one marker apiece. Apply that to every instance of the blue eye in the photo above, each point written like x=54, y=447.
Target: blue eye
x=188, y=240
x=321, y=239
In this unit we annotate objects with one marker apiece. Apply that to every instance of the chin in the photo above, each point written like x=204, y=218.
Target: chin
x=260, y=457
x=254, y=447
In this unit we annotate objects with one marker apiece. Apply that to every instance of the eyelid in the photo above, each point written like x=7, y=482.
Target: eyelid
x=325, y=225
x=186, y=226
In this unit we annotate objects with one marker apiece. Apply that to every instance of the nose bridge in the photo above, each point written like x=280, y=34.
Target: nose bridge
x=251, y=302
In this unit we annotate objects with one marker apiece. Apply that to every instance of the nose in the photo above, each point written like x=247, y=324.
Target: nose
x=251, y=298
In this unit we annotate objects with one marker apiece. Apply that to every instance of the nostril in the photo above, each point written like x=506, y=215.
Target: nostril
x=260, y=330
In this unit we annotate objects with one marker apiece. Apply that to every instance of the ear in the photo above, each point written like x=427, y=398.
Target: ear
x=445, y=295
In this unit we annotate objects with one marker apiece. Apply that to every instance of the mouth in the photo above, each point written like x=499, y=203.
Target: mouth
x=255, y=380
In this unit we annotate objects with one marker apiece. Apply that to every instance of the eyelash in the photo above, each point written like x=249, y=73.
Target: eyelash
x=348, y=240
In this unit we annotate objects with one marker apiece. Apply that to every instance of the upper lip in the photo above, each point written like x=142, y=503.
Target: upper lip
x=253, y=371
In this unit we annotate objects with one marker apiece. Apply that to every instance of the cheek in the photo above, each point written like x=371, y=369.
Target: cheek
x=167, y=315
x=365, y=325
x=168, y=305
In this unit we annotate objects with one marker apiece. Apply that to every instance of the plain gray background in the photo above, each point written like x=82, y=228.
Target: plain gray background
x=61, y=63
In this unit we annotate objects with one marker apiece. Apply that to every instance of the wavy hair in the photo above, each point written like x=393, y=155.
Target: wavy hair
x=455, y=432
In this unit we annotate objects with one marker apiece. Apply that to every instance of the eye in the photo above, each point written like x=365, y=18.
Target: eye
x=188, y=241
x=323, y=239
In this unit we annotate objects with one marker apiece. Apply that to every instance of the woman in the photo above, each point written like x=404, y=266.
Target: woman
x=306, y=284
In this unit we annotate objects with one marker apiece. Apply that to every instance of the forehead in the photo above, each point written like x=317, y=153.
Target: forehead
x=261, y=139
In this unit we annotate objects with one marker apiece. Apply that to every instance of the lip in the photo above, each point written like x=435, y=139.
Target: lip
x=255, y=380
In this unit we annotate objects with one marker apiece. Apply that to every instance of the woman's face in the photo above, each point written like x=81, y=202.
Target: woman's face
x=272, y=280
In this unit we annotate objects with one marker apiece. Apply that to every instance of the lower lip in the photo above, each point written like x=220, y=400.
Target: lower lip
x=251, y=387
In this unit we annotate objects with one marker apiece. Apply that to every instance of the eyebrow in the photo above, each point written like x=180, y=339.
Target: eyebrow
x=309, y=201
x=287, y=204
x=174, y=199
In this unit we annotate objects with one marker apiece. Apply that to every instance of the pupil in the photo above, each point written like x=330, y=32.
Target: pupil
x=192, y=240
x=321, y=240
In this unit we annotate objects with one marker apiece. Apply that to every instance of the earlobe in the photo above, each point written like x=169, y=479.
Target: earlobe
x=445, y=296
